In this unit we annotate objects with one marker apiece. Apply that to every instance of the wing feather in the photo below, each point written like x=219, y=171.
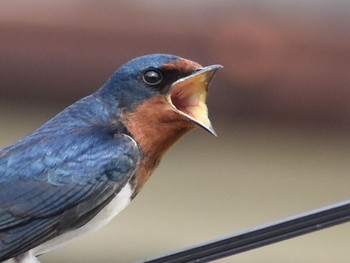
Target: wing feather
x=50, y=185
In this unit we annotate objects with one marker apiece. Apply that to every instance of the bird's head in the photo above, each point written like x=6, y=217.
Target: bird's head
x=159, y=97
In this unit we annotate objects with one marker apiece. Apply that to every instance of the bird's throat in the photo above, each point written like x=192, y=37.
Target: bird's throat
x=155, y=126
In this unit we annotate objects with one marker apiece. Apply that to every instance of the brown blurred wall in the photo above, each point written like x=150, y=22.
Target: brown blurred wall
x=287, y=60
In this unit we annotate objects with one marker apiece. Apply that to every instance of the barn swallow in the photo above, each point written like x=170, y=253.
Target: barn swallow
x=81, y=168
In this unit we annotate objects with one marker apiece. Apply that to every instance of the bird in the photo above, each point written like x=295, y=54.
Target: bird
x=81, y=168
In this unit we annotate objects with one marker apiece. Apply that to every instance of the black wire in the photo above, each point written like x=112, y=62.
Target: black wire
x=275, y=232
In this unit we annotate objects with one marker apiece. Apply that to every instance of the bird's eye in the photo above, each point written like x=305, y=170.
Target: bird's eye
x=152, y=77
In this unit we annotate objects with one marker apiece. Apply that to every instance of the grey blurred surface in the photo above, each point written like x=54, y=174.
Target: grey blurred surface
x=280, y=106
x=208, y=187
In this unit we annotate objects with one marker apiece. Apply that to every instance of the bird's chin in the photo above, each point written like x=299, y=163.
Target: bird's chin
x=188, y=95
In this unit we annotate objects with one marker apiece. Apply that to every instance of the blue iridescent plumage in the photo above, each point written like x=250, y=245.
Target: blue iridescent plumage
x=63, y=164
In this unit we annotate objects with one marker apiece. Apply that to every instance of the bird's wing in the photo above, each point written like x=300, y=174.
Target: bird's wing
x=52, y=185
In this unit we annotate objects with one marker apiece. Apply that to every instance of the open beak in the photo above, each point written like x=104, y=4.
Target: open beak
x=188, y=96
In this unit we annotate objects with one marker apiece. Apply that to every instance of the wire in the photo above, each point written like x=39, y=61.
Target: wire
x=262, y=236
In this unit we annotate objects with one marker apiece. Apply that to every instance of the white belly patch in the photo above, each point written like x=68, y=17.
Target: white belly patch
x=121, y=200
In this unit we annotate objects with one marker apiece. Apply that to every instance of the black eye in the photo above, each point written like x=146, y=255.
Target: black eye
x=152, y=77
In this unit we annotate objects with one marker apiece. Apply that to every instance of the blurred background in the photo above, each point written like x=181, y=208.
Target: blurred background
x=280, y=107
